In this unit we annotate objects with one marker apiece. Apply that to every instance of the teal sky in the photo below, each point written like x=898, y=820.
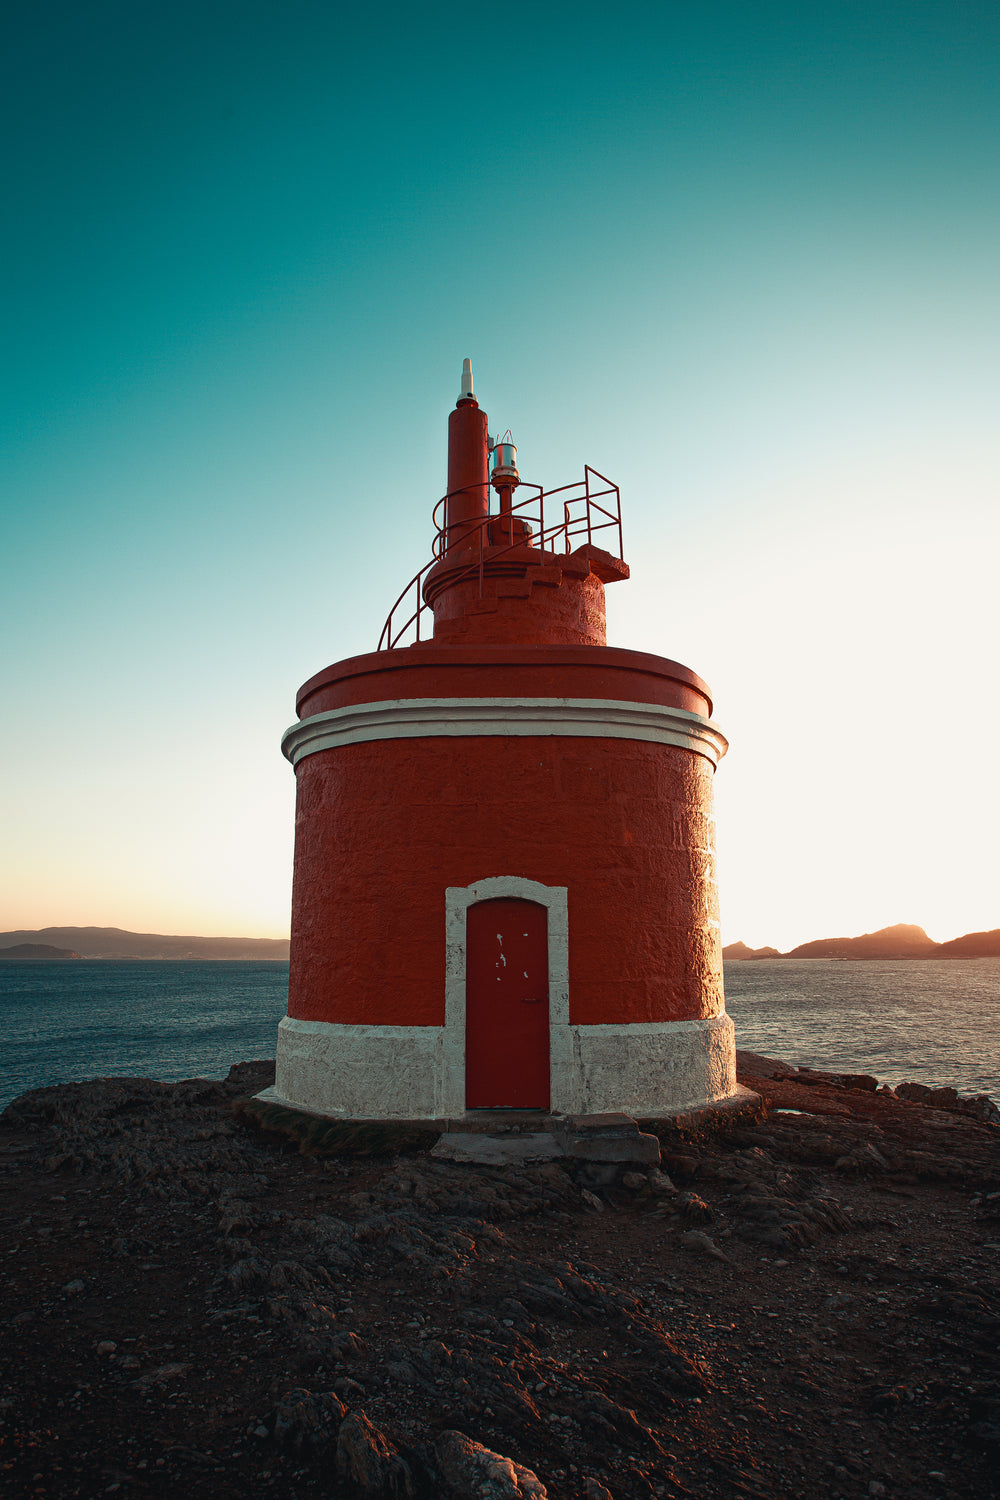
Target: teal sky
x=743, y=258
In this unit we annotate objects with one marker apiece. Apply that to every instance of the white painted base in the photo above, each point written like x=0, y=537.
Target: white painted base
x=418, y=1072
x=649, y=1069
x=364, y=1072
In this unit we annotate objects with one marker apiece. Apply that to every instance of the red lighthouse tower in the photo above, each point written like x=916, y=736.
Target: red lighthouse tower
x=504, y=891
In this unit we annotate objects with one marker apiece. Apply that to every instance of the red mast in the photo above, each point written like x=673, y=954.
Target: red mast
x=468, y=467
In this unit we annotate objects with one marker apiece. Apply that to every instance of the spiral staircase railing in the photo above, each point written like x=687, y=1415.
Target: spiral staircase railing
x=583, y=517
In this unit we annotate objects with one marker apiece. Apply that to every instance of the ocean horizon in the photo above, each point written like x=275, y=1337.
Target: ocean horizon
x=904, y=1020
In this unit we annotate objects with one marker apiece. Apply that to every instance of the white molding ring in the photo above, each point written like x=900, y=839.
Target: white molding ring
x=431, y=718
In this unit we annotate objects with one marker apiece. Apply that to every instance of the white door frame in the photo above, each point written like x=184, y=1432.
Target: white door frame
x=458, y=899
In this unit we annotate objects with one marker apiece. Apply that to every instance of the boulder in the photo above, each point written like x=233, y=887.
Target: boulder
x=370, y=1464
x=472, y=1472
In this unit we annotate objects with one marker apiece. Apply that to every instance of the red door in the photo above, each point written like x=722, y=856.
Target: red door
x=507, y=1006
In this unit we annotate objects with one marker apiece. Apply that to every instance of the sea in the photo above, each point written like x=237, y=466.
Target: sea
x=927, y=1021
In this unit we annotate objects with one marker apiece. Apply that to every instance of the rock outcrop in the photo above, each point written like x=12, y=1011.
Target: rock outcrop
x=802, y=1304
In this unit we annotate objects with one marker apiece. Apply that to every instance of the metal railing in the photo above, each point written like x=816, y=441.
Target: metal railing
x=583, y=516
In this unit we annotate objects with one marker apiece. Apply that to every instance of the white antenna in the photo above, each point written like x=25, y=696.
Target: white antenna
x=466, y=379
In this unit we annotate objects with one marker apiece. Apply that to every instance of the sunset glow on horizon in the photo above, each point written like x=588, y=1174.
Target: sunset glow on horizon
x=740, y=259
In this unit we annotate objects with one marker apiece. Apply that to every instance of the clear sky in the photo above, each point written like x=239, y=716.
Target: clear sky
x=742, y=257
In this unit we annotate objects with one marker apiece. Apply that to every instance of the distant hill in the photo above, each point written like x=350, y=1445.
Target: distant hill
x=972, y=945
x=36, y=950
x=901, y=941
x=115, y=942
x=740, y=950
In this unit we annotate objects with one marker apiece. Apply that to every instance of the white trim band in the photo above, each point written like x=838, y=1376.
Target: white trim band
x=431, y=718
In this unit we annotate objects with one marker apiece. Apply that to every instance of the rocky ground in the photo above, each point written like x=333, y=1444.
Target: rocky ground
x=801, y=1305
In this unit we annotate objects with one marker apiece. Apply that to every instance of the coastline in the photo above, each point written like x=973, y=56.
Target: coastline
x=804, y=1304
x=930, y=1022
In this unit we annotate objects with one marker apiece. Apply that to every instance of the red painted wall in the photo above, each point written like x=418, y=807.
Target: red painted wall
x=383, y=827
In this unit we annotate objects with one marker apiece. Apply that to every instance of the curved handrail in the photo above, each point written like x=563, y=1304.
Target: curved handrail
x=544, y=537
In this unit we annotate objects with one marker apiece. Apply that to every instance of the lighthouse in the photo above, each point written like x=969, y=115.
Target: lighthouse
x=504, y=891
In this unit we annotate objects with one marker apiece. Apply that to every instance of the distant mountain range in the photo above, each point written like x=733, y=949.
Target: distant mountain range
x=902, y=941
x=114, y=942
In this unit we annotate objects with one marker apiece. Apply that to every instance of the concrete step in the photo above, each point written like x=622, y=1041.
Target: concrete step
x=504, y=1137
